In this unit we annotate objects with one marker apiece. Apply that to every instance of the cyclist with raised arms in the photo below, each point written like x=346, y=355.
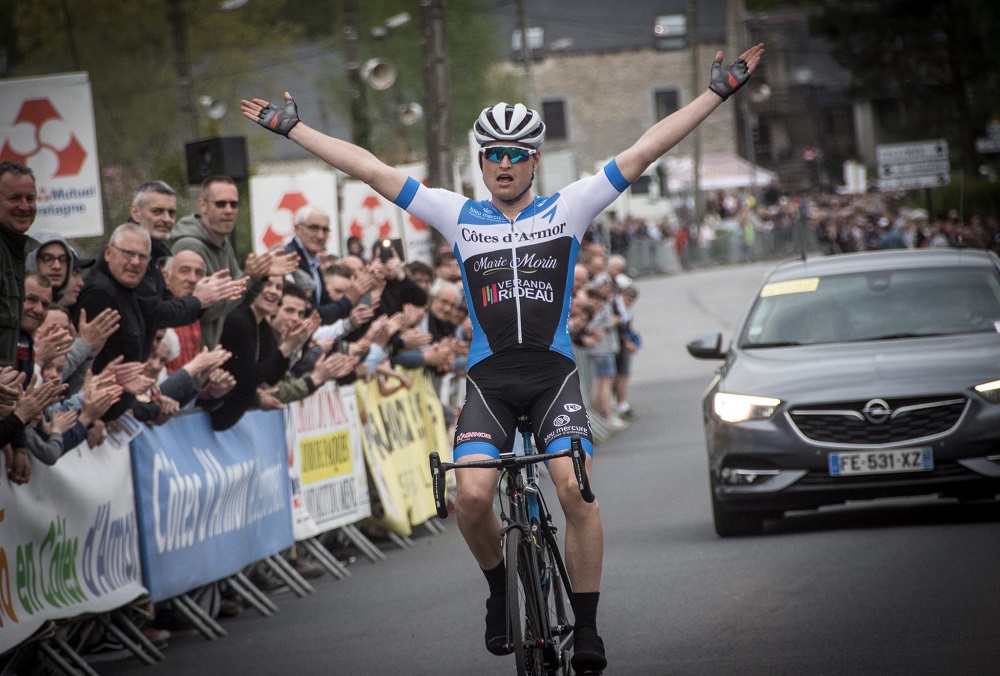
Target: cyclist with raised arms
x=517, y=253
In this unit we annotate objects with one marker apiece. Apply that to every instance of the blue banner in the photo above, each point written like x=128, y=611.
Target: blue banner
x=210, y=503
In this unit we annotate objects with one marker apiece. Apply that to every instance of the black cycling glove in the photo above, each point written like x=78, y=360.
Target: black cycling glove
x=279, y=118
x=725, y=81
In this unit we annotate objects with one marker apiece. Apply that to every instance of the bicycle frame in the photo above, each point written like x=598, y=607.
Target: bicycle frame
x=533, y=553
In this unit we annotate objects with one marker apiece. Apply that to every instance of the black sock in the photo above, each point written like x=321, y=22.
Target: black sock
x=497, y=579
x=585, y=608
x=496, y=610
x=588, y=648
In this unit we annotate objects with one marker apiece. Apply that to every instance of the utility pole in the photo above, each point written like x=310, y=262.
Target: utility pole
x=182, y=66
x=440, y=158
x=696, y=134
x=361, y=128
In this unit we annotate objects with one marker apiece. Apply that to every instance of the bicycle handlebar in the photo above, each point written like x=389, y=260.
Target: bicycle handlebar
x=507, y=462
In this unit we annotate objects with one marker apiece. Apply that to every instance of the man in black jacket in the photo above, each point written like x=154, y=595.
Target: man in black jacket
x=312, y=230
x=17, y=212
x=112, y=283
x=154, y=207
x=257, y=357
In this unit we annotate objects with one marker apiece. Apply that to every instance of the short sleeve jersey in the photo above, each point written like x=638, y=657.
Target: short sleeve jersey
x=517, y=274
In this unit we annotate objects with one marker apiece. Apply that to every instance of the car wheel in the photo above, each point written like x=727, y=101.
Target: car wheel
x=730, y=523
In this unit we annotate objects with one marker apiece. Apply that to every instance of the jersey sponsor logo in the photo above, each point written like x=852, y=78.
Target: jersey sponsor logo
x=524, y=288
x=473, y=235
x=528, y=263
x=572, y=408
x=565, y=431
x=561, y=420
x=467, y=436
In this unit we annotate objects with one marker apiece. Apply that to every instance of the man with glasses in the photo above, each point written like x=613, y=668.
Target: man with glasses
x=312, y=231
x=54, y=258
x=154, y=208
x=112, y=283
x=208, y=233
x=17, y=213
x=517, y=254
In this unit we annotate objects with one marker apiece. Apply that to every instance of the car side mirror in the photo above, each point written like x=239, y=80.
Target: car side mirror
x=708, y=346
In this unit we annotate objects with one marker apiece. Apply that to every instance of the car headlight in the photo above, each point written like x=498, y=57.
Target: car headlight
x=990, y=391
x=734, y=408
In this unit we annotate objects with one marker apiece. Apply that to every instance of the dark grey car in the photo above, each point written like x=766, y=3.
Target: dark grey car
x=855, y=377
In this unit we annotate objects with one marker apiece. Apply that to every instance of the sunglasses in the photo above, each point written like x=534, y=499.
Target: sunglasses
x=221, y=204
x=513, y=153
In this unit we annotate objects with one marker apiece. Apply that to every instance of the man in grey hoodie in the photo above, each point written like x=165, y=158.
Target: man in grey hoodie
x=208, y=234
x=54, y=258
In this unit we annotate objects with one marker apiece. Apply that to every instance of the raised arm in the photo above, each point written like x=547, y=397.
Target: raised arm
x=669, y=131
x=351, y=159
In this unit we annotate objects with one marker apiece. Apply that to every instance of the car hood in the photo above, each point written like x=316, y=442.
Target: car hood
x=846, y=371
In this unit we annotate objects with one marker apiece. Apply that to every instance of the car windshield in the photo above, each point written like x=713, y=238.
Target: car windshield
x=881, y=305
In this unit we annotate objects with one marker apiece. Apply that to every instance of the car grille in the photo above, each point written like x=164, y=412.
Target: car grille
x=877, y=421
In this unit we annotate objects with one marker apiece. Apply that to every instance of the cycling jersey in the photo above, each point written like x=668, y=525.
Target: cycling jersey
x=517, y=274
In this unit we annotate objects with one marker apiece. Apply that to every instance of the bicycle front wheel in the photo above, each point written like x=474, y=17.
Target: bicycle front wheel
x=526, y=623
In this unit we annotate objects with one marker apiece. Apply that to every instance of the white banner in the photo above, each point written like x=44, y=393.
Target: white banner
x=326, y=462
x=69, y=541
x=367, y=215
x=274, y=201
x=47, y=123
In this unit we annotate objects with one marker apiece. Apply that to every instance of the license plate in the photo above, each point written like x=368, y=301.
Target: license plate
x=881, y=462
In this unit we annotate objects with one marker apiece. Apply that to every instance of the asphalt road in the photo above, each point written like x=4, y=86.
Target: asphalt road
x=906, y=587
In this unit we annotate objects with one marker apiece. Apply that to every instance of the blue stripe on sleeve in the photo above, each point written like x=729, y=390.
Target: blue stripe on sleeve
x=405, y=195
x=615, y=176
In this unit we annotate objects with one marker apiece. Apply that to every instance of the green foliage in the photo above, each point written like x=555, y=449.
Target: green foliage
x=128, y=49
x=935, y=57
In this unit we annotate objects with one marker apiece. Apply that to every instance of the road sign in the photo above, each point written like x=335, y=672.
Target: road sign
x=913, y=182
x=988, y=145
x=928, y=167
x=890, y=153
x=910, y=166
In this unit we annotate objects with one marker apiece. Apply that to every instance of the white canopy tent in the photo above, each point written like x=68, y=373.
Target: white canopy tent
x=719, y=171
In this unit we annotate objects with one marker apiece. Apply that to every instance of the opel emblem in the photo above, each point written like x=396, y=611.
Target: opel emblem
x=877, y=411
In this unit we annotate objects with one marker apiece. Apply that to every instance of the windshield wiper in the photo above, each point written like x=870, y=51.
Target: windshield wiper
x=789, y=343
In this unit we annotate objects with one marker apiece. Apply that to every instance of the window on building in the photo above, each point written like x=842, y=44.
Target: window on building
x=554, y=116
x=670, y=31
x=665, y=102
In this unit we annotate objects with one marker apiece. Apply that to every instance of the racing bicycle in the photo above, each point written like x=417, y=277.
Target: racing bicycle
x=539, y=594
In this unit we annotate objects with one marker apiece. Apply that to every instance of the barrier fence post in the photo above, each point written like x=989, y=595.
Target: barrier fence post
x=326, y=559
x=284, y=570
x=109, y=626
x=254, y=596
x=197, y=616
x=364, y=544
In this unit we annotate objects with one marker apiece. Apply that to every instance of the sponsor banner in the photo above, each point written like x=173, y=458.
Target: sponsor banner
x=367, y=215
x=47, y=123
x=276, y=199
x=382, y=463
x=69, y=541
x=326, y=462
x=401, y=451
x=210, y=503
x=429, y=408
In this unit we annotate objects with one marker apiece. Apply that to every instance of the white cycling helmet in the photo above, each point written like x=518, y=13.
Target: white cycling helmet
x=516, y=124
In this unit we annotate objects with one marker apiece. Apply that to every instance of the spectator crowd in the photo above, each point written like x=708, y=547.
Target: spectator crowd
x=166, y=317
x=739, y=226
